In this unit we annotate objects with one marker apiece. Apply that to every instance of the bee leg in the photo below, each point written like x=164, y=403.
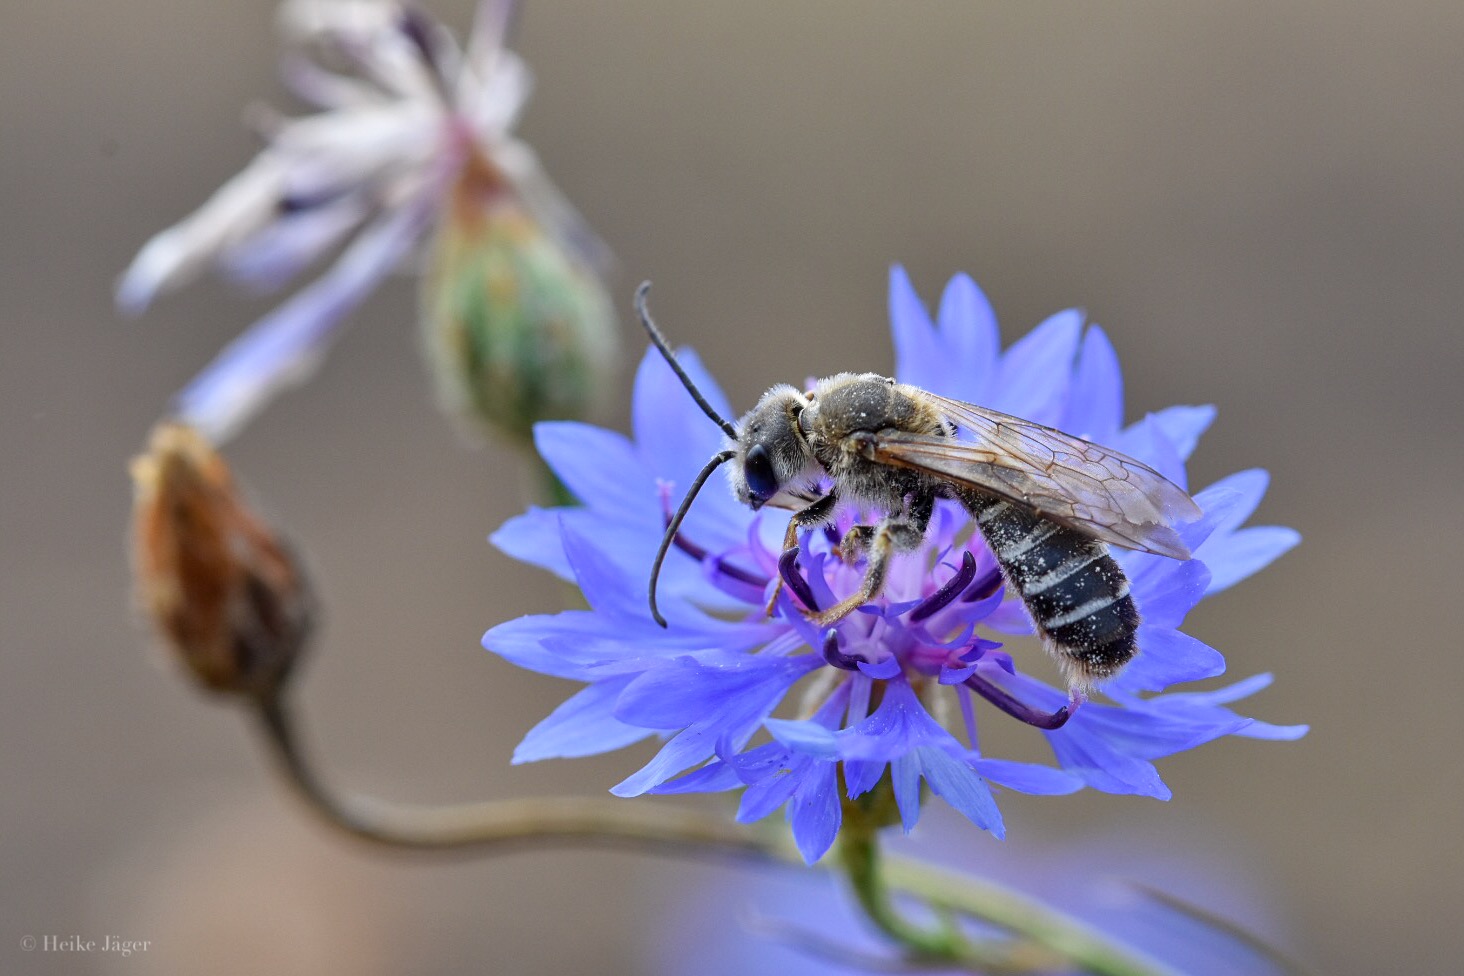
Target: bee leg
x=856, y=543
x=817, y=512
x=897, y=533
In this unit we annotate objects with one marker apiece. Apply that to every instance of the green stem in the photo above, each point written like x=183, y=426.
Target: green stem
x=859, y=856
x=1084, y=947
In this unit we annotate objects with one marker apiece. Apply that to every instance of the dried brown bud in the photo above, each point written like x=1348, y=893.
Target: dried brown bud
x=225, y=595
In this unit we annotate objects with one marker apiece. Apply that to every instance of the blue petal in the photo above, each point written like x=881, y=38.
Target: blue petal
x=809, y=738
x=1029, y=777
x=582, y=726
x=686, y=689
x=815, y=813
x=533, y=538
x=1165, y=596
x=1036, y=371
x=620, y=591
x=1147, y=441
x=1215, y=502
x=905, y=777
x=714, y=777
x=954, y=781
x=1246, y=552
x=861, y=775
x=1275, y=733
x=675, y=439
x=674, y=436
x=918, y=358
x=1233, y=499
x=1095, y=408
x=1207, y=702
x=969, y=341
x=1243, y=688
x=608, y=589
x=1103, y=767
x=601, y=468
x=1167, y=657
x=285, y=347
x=631, y=549
x=686, y=749
x=762, y=798
x=725, y=728
x=1184, y=425
x=521, y=641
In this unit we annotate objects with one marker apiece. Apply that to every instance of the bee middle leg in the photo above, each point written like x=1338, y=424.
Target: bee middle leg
x=895, y=533
x=805, y=518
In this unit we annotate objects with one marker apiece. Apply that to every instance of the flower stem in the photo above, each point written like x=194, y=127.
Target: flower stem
x=859, y=856
x=1042, y=926
x=514, y=824
x=1040, y=940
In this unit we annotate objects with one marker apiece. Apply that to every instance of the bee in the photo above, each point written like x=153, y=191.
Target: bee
x=1047, y=503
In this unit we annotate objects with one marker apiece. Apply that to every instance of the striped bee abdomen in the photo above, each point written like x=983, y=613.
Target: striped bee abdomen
x=1077, y=595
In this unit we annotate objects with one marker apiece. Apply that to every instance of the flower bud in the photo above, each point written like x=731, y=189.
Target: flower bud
x=517, y=327
x=223, y=592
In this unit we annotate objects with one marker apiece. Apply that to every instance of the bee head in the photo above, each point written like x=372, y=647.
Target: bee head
x=772, y=451
x=771, y=447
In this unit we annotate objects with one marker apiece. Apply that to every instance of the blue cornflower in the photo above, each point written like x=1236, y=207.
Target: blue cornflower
x=894, y=687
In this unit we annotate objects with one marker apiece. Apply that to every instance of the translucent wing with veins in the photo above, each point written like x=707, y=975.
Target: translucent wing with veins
x=1092, y=489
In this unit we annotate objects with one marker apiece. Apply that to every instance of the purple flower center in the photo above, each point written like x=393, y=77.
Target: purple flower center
x=933, y=635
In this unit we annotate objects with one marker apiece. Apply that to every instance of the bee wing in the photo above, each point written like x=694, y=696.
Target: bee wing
x=1092, y=489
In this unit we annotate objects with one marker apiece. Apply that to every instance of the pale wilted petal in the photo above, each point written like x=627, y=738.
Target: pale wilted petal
x=490, y=96
x=238, y=208
x=284, y=347
x=490, y=33
x=368, y=32
x=324, y=88
x=314, y=20
x=330, y=152
x=280, y=250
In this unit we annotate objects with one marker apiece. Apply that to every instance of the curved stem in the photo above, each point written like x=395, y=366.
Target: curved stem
x=509, y=824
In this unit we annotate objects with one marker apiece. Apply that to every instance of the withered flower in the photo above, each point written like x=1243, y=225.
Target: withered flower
x=225, y=595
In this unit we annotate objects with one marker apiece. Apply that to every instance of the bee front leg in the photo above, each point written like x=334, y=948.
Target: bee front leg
x=816, y=513
x=897, y=533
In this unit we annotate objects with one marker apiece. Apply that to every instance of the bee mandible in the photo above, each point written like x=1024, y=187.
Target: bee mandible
x=1047, y=503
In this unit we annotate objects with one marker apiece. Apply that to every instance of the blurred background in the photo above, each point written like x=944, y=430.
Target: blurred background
x=1261, y=204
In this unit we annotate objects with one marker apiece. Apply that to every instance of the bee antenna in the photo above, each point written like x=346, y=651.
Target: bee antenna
x=660, y=343
x=674, y=525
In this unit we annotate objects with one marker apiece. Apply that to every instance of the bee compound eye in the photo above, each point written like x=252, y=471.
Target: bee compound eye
x=757, y=468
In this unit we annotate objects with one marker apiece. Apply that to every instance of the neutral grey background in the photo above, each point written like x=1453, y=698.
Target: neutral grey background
x=1261, y=203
